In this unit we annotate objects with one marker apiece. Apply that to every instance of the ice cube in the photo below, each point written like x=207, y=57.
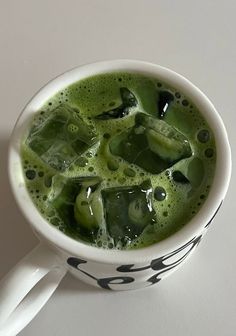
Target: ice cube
x=152, y=144
x=128, y=210
x=77, y=203
x=61, y=138
x=128, y=100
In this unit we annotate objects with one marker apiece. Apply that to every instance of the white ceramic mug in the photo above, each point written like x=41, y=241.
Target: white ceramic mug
x=33, y=280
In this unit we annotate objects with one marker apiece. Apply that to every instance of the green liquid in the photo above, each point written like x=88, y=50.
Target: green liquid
x=175, y=197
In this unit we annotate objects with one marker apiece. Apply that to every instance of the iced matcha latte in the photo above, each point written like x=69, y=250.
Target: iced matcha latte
x=118, y=160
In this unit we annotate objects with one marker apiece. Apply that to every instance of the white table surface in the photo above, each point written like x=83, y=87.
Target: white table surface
x=41, y=39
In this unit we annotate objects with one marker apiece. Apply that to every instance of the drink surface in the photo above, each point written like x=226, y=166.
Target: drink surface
x=119, y=160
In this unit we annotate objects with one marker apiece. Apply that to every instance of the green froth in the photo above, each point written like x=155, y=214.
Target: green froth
x=93, y=96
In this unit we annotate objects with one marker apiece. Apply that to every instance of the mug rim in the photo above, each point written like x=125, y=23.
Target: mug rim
x=190, y=230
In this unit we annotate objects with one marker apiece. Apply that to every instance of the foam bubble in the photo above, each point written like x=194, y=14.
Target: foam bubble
x=30, y=174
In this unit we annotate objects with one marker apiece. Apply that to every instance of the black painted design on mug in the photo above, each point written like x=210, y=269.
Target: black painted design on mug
x=208, y=224
x=75, y=262
x=155, y=278
x=158, y=264
x=165, y=268
x=103, y=282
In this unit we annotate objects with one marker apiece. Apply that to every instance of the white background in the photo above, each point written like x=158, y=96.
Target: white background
x=41, y=39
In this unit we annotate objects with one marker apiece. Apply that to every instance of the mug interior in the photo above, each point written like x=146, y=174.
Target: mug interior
x=142, y=255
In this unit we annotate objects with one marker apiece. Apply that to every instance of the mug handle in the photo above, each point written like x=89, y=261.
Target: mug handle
x=27, y=287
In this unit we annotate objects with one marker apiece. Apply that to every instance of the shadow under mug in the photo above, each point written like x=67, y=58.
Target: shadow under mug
x=28, y=286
